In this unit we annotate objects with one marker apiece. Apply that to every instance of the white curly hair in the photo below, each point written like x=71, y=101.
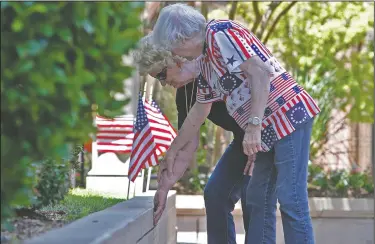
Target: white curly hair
x=178, y=23
x=150, y=58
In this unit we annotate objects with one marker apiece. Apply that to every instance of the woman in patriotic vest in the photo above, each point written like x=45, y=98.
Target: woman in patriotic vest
x=228, y=182
x=274, y=111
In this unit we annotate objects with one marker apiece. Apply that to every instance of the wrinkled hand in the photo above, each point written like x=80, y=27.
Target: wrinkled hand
x=252, y=140
x=160, y=200
x=165, y=183
x=167, y=163
x=249, y=165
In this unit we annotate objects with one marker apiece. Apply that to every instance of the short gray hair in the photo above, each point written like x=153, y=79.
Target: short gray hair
x=178, y=23
x=148, y=57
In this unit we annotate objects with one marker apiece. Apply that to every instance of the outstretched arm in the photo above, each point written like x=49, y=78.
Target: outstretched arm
x=190, y=128
x=182, y=161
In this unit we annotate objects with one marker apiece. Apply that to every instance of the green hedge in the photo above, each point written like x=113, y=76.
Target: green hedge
x=59, y=61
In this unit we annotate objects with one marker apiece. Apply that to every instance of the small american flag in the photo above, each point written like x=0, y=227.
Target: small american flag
x=153, y=134
x=114, y=135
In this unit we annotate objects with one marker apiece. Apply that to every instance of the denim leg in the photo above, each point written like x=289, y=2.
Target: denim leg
x=221, y=193
x=246, y=210
x=291, y=160
x=261, y=199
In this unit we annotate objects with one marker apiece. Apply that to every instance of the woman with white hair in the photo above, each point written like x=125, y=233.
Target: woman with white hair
x=229, y=180
x=266, y=102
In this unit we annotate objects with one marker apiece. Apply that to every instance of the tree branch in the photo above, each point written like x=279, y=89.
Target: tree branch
x=266, y=17
x=284, y=12
x=204, y=9
x=233, y=10
x=258, y=17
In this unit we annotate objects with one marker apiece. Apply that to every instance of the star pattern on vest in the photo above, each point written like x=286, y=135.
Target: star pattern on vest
x=229, y=82
x=298, y=115
x=231, y=60
x=202, y=83
x=269, y=136
x=221, y=26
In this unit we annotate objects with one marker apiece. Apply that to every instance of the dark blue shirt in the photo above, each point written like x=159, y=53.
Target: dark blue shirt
x=218, y=114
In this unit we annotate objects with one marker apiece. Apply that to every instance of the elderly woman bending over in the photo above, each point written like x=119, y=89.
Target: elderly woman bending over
x=266, y=102
x=230, y=178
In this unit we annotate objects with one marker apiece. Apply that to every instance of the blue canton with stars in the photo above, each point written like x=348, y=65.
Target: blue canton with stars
x=284, y=76
x=272, y=88
x=240, y=111
x=267, y=111
x=296, y=89
x=280, y=101
x=298, y=115
x=221, y=26
x=141, y=119
x=155, y=105
x=269, y=136
x=202, y=82
x=229, y=82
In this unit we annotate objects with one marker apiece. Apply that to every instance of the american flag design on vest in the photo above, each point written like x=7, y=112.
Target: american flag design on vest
x=228, y=44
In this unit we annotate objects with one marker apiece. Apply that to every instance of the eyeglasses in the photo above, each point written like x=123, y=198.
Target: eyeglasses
x=162, y=76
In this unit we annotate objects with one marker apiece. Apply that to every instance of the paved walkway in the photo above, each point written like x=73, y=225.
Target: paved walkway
x=327, y=230
x=343, y=223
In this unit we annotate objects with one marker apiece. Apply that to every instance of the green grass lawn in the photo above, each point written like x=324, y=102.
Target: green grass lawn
x=79, y=203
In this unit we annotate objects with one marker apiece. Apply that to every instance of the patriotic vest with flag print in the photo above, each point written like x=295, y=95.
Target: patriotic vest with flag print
x=228, y=44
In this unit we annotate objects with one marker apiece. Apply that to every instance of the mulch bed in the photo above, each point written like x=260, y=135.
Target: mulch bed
x=29, y=223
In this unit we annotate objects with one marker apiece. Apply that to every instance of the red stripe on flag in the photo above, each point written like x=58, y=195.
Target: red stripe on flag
x=239, y=43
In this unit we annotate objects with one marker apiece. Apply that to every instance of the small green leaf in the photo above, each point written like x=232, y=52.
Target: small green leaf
x=47, y=30
x=17, y=25
x=39, y=8
x=26, y=66
x=66, y=35
x=32, y=48
x=60, y=75
x=88, y=26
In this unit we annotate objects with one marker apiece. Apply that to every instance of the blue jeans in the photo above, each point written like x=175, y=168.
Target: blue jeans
x=225, y=187
x=283, y=171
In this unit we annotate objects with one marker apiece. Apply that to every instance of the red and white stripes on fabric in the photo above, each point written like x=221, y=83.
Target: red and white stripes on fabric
x=143, y=150
x=242, y=119
x=163, y=132
x=114, y=135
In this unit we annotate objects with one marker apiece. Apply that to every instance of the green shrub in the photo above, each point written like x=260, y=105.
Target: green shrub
x=59, y=62
x=339, y=183
x=53, y=182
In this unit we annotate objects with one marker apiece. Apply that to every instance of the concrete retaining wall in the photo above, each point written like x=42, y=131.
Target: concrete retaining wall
x=129, y=222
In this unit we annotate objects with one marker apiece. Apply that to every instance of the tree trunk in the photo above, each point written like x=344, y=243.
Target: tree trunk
x=233, y=10
x=204, y=9
x=72, y=178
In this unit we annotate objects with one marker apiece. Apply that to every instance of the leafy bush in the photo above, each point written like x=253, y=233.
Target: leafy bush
x=60, y=61
x=52, y=183
x=321, y=183
x=339, y=183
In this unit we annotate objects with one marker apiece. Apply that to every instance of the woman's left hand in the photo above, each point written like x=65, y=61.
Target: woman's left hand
x=252, y=140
